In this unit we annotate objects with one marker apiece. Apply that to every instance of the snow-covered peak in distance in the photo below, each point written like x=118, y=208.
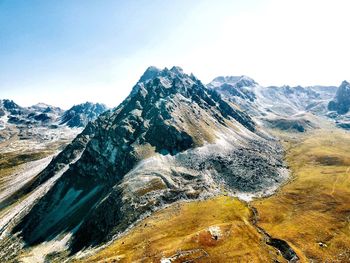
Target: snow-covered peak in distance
x=237, y=81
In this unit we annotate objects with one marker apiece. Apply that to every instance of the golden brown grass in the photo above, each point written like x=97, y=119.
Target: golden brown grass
x=182, y=232
x=313, y=211
x=10, y=162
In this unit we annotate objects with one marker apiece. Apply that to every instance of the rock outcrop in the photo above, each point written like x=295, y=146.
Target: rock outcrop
x=341, y=101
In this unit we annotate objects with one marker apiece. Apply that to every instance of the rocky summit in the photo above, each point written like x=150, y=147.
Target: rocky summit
x=341, y=102
x=40, y=114
x=80, y=115
x=339, y=106
x=171, y=139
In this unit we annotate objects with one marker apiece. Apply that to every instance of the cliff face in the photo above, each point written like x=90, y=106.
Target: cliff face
x=341, y=101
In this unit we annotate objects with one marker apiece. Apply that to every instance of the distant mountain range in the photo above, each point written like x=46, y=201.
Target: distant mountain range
x=80, y=115
x=286, y=107
x=47, y=115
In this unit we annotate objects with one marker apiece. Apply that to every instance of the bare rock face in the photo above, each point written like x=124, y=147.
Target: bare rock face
x=80, y=115
x=171, y=139
x=341, y=102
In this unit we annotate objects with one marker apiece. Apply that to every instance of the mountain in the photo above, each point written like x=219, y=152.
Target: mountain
x=283, y=107
x=80, y=115
x=28, y=134
x=231, y=86
x=339, y=106
x=43, y=114
x=341, y=101
x=9, y=112
x=171, y=139
x=40, y=114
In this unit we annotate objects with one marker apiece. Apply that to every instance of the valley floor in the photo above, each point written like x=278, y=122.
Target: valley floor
x=311, y=213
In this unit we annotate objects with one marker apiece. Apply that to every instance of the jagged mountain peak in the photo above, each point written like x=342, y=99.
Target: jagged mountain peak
x=341, y=101
x=79, y=115
x=153, y=72
x=165, y=87
x=162, y=83
x=9, y=104
x=171, y=138
x=150, y=73
x=177, y=70
x=345, y=83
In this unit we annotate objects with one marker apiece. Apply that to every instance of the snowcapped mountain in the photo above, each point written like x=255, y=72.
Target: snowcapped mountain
x=279, y=107
x=171, y=139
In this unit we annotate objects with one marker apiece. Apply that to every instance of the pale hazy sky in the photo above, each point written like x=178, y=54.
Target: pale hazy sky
x=68, y=52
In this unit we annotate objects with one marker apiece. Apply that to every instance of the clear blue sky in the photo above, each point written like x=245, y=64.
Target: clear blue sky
x=67, y=52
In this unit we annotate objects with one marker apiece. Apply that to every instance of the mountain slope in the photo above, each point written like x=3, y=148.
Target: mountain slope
x=171, y=139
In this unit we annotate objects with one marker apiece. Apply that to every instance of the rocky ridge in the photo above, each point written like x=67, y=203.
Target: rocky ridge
x=283, y=107
x=171, y=139
x=42, y=122
x=80, y=115
x=339, y=106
